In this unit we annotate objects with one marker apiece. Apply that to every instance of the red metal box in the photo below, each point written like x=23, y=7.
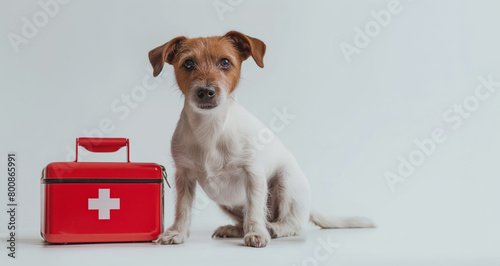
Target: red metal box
x=86, y=202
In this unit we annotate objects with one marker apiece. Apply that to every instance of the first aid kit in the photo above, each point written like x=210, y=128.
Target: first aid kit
x=90, y=202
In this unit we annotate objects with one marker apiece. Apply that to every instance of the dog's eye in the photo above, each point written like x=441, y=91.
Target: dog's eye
x=224, y=63
x=189, y=64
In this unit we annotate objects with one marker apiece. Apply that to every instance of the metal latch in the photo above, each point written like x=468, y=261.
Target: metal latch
x=164, y=174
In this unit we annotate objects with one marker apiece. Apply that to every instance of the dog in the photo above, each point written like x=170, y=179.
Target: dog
x=216, y=144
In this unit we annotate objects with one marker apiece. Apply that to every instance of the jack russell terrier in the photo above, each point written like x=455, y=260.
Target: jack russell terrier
x=216, y=144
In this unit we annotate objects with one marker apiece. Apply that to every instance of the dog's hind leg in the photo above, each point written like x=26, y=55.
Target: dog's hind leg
x=229, y=230
x=288, y=204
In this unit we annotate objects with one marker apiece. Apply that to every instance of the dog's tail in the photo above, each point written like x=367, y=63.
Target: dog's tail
x=340, y=222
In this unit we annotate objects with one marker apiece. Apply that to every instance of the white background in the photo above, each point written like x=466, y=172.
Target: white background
x=353, y=120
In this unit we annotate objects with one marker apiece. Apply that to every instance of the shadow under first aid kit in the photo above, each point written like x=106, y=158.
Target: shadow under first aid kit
x=88, y=202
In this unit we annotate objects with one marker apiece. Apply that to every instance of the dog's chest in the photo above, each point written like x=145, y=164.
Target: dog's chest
x=222, y=177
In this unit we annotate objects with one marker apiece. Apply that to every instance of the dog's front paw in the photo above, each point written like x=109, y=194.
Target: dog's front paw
x=171, y=236
x=256, y=240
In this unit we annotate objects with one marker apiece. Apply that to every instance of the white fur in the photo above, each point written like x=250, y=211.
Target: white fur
x=257, y=183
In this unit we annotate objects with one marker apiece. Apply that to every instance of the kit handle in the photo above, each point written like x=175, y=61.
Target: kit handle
x=103, y=145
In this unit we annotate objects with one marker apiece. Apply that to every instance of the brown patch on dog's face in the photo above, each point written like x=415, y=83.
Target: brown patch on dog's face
x=214, y=62
x=207, y=70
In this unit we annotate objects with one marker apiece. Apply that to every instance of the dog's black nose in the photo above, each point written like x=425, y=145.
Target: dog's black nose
x=206, y=93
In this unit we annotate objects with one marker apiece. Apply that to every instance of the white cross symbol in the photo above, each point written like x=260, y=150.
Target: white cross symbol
x=104, y=204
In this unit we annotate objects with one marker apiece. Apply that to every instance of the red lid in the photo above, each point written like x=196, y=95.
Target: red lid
x=104, y=170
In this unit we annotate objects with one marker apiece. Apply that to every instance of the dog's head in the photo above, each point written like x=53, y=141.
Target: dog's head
x=207, y=70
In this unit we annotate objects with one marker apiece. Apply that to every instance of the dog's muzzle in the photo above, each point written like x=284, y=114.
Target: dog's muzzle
x=206, y=97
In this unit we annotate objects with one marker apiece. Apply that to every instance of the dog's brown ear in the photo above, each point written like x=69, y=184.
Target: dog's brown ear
x=164, y=53
x=248, y=46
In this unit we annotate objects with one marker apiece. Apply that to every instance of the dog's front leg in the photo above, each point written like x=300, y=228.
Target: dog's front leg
x=254, y=220
x=179, y=231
